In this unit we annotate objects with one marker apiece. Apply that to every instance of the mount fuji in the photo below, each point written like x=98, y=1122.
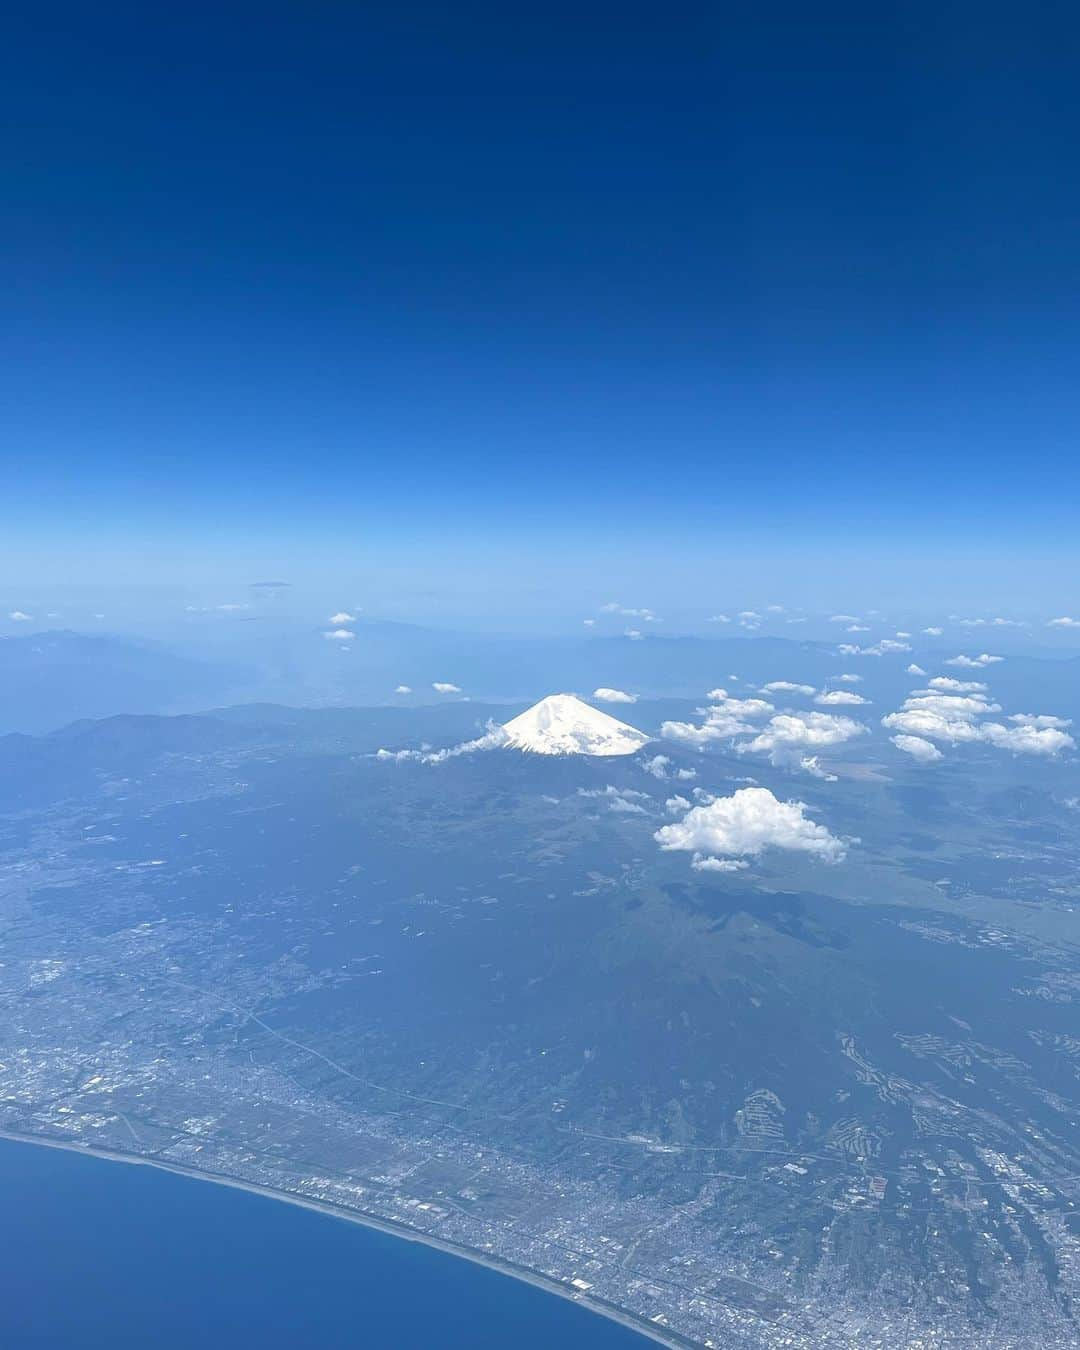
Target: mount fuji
x=563, y=725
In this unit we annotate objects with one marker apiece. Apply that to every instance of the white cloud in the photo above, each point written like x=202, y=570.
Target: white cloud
x=589, y=623
x=634, y=634
x=786, y=687
x=922, y=750
x=494, y=737
x=746, y=824
x=18, y=616
x=901, y=634
x=660, y=767
x=1027, y=739
x=403, y=689
x=830, y=698
x=879, y=648
x=340, y=635
x=850, y=679
x=788, y=735
x=933, y=632
x=749, y=618
x=843, y=618
x=856, y=628
x=342, y=617
x=947, y=683
x=976, y=662
x=789, y=739
x=629, y=613
x=1064, y=622
x=444, y=687
x=706, y=864
x=614, y=696
x=956, y=719
x=913, y=669
x=719, y=618
x=619, y=799
x=726, y=718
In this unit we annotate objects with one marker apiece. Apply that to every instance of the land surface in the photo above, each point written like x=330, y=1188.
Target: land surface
x=473, y=1001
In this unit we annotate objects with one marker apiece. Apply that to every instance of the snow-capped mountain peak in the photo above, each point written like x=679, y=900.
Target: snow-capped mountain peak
x=563, y=725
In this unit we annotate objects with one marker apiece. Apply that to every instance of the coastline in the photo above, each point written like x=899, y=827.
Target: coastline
x=600, y=1307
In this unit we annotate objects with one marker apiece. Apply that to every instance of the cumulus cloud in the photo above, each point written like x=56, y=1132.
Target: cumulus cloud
x=958, y=718
x=790, y=737
x=403, y=689
x=589, y=623
x=843, y=618
x=725, y=718
x=444, y=687
x=850, y=679
x=634, y=634
x=834, y=697
x=719, y=618
x=340, y=635
x=749, y=618
x=1064, y=622
x=342, y=616
x=1027, y=738
x=913, y=669
x=1040, y=720
x=786, y=687
x=18, y=616
x=856, y=628
x=933, y=632
x=949, y=685
x=918, y=748
x=745, y=825
x=614, y=696
x=975, y=662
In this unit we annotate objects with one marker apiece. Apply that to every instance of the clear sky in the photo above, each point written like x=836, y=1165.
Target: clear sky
x=652, y=301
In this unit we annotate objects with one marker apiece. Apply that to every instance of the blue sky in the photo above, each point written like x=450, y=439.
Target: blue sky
x=588, y=299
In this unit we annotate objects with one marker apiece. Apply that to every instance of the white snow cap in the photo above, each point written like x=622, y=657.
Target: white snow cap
x=563, y=725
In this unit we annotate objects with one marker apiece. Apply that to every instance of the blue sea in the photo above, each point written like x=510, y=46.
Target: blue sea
x=95, y=1253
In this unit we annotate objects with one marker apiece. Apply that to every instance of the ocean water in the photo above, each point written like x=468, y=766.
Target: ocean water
x=95, y=1253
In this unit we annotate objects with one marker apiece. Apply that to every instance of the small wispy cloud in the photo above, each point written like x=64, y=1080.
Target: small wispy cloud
x=20, y=616
x=445, y=687
x=629, y=612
